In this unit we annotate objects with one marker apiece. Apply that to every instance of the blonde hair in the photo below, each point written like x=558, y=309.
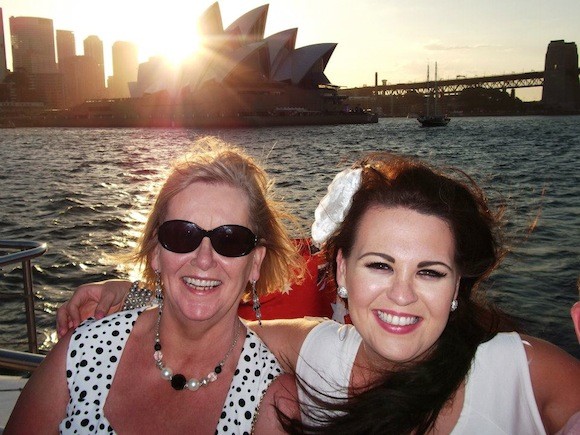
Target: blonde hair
x=213, y=161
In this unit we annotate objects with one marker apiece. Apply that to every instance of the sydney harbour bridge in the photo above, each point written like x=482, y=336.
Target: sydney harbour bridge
x=559, y=81
x=455, y=86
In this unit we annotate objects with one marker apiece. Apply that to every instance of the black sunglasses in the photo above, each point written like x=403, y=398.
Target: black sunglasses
x=227, y=240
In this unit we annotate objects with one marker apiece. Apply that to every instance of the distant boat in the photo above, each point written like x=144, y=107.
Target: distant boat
x=433, y=118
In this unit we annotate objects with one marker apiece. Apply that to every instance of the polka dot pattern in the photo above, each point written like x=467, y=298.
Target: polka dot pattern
x=93, y=356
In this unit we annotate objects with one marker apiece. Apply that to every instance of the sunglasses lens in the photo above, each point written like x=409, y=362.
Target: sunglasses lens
x=228, y=240
x=179, y=236
x=233, y=240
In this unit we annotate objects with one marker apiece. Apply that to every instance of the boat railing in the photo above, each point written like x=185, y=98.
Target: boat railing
x=26, y=251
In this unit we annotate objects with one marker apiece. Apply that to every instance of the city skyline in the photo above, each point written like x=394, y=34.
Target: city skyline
x=393, y=39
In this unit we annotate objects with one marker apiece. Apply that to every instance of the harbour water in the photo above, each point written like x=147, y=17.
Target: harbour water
x=87, y=191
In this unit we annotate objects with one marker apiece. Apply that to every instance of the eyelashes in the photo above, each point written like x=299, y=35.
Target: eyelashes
x=432, y=273
x=378, y=266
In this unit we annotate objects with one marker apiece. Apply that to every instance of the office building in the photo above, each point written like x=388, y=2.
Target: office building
x=93, y=48
x=65, y=45
x=125, y=68
x=82, y=80
x=33, y=45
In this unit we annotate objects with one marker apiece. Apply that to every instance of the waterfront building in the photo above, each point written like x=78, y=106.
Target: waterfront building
x=33, y=45
x=93, y=47
x=239, y=77
x=65, y=45
x=125, y=69
x=34, y=60
x=46, y=88
x=82, y=80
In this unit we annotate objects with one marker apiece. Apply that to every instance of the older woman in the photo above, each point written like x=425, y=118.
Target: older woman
x=409, y=248
x=213, y=237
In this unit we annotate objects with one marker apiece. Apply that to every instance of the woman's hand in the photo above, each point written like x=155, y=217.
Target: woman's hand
x=91, y=300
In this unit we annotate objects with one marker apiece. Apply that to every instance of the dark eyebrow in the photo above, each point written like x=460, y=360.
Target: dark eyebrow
x=378, y=254
x=420, y=265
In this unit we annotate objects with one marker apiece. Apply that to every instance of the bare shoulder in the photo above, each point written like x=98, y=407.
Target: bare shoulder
x=46, y=392
x=281, y=399
x=543, y=353
x=555, y=376
x=284, y=337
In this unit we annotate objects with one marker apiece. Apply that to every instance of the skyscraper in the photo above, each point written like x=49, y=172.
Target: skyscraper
x=83, y=80
x=125, y=68
x=3, y=69
x=33, y=45
x=65, y=45
x=93, y=47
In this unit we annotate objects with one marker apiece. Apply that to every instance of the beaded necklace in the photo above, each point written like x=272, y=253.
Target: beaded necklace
x=178, y=381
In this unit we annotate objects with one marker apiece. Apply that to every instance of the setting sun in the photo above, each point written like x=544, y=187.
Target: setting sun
x=169, y=31
x=172, y=45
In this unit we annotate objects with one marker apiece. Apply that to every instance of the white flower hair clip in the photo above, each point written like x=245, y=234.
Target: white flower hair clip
x=335, y=205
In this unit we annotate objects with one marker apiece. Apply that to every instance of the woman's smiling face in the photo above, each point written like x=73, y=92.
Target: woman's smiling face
x=202, y=284
x=401, y=278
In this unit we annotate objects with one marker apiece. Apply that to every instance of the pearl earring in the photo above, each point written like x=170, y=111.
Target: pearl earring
x=342, y=292
x=454, y=304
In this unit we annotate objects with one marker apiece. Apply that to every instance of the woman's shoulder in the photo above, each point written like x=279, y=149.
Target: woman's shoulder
x=330, y=343
x=117, y=326
x=331, y=332
x=256, y=352
x=555, y=378
x=556, y=382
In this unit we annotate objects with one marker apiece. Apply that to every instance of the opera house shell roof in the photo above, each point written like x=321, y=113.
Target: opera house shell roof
x=244, y=69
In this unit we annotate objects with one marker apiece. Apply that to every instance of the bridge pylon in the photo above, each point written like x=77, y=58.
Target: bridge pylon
x=561, y=88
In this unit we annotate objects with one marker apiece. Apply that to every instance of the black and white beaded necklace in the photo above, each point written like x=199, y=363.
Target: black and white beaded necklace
x=178, y=381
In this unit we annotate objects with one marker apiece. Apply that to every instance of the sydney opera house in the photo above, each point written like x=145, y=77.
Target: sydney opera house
x=239, y=77
x=239, y=70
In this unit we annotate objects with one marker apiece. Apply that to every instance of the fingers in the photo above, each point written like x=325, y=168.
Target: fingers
x=65, y=320
x=62, y=320
x=73, y=310
x=104, y=305
x=90, y=300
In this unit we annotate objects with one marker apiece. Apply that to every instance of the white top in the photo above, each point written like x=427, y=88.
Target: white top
x=94, y=353
x=499, y=398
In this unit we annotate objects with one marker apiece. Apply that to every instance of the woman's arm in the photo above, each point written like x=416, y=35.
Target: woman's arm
x=575, y=313
x=95, y=299
x=555, y=378
x=42, y=404
x=284, y=338
x=282, y=396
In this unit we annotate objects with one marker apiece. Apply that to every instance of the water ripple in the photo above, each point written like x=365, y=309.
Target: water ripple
x=87, y=192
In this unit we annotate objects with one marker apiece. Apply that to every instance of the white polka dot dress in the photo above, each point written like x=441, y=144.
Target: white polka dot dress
x=93, y=356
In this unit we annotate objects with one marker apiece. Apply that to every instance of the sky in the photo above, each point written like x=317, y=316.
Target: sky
x=396, y=39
